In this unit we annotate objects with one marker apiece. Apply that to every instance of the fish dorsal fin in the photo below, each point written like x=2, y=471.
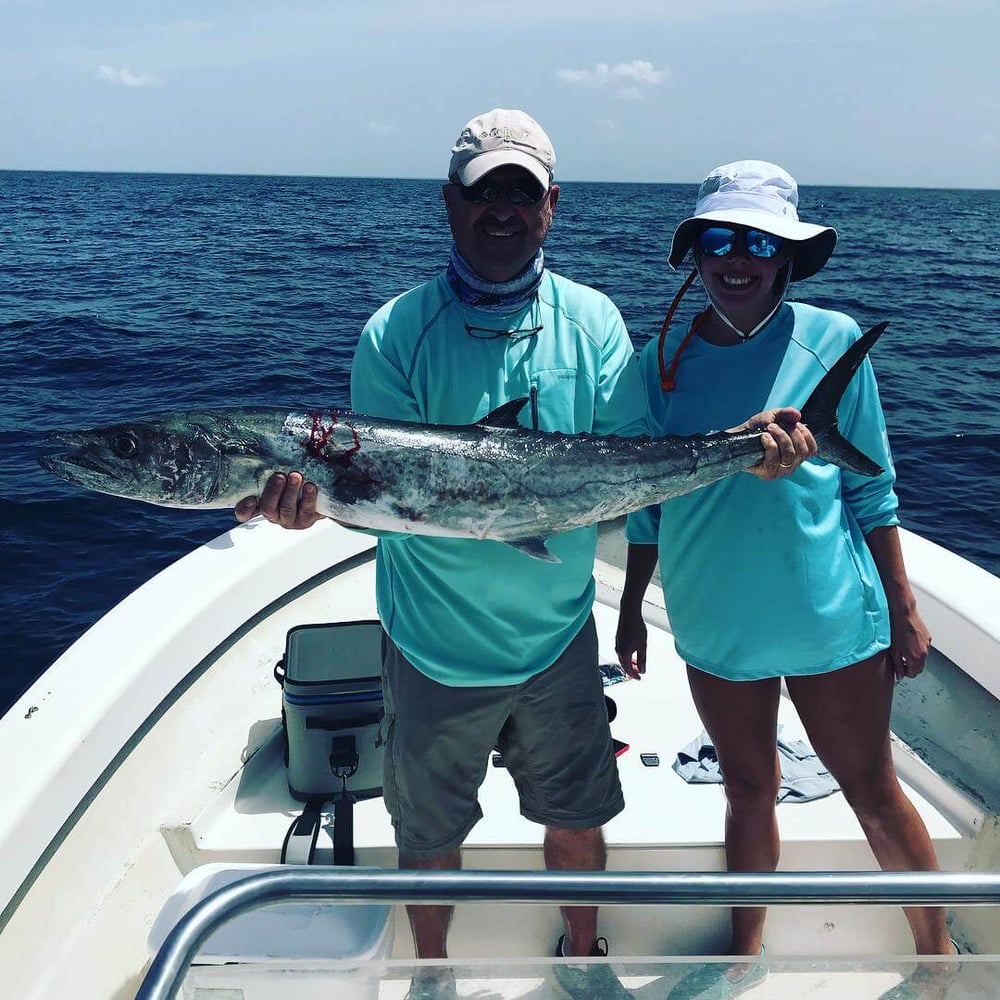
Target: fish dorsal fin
x=505, y=415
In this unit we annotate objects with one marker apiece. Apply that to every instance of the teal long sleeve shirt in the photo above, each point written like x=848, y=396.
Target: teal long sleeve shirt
x=480, y=613
x=764, y=579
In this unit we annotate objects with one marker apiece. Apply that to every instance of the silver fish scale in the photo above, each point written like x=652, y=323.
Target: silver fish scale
x=513, y=483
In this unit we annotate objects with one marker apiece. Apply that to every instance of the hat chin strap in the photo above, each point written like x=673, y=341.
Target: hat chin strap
x=744, y=337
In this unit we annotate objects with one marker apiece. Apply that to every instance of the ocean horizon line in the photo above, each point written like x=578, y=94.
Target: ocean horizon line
x=250, y=175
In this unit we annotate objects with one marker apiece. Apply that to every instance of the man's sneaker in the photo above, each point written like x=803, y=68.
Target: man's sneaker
x=433, y=984
x=590, y=981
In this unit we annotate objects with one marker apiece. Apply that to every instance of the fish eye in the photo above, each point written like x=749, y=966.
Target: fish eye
x=125, y=444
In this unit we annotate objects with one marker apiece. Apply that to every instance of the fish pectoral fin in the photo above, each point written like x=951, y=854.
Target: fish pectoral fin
x=505, y=415
x=535, y=547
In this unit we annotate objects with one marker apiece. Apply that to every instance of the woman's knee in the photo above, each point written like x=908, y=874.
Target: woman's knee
x=752, y=792
x=874, y=795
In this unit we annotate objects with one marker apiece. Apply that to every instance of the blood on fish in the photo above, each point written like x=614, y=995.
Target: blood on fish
x=320, y=435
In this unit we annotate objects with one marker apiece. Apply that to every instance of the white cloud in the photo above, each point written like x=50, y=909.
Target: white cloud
x=126, y=78
x=641, y=71
x=597, y=77
x=630, y=78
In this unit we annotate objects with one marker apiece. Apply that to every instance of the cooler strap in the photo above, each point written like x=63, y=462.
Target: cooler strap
x=343, y=830
x=299, y=847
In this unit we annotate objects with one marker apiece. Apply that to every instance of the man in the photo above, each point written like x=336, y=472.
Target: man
x=488, y=646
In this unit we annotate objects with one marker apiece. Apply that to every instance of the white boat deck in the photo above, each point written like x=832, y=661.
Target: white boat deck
x=668, y=824
x=202, y=781
x=654, y=715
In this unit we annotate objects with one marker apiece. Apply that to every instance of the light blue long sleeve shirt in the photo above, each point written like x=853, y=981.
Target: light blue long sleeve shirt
x=764, y=579
x=478, y=613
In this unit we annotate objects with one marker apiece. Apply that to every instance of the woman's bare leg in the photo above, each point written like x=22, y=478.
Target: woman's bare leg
x=846, y=715
x=742, y=717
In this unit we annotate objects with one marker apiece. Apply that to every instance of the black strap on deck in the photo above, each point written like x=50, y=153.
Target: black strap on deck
x=299, y=847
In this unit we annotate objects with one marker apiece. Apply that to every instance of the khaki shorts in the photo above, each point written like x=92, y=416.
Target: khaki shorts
x=552, y=731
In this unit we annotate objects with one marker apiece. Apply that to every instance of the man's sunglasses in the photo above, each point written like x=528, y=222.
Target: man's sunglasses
x=524, y=191
x=719, y=241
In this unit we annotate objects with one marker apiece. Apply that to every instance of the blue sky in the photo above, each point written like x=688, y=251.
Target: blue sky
x=881, y=92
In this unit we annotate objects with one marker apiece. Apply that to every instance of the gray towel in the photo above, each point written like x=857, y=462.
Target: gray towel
x=803, y=776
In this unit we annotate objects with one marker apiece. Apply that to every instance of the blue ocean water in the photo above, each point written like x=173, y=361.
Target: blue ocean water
x=127, y=293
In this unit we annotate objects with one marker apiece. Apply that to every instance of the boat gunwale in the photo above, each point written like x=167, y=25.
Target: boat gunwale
x=77, y=750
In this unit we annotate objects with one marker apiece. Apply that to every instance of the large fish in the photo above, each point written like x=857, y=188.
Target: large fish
x=492, y=479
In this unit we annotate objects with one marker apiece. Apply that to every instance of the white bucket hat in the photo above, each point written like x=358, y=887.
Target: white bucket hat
x=759, y=195
x=501, y=138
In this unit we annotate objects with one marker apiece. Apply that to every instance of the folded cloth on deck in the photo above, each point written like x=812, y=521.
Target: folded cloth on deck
x=803, y=776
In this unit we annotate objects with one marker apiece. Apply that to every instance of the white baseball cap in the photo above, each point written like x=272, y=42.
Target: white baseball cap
x=501, y=138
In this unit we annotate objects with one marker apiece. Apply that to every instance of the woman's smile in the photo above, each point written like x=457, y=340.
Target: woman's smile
x=737, y=282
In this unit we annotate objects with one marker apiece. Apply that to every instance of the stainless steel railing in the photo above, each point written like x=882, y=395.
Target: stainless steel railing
x=316, y=884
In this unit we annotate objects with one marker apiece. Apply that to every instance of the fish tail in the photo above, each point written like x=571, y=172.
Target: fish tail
x=820, y=411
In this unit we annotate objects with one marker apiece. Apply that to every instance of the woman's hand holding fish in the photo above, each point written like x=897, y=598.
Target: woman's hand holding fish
x=787, y=443
x=285, y=500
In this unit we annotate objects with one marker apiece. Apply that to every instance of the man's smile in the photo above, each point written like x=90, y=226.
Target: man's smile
x=499, y=229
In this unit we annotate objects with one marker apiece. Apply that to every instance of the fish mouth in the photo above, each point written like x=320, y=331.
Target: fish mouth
x=77, y=467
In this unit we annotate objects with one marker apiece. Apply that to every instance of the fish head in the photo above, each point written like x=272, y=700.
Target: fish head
x=175, y=460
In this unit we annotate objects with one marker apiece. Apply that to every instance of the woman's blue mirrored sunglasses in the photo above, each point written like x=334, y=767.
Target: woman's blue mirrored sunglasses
x=524, y=191
x=718, y=241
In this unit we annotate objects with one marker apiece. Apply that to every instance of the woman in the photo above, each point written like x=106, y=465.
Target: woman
x=802, y=578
